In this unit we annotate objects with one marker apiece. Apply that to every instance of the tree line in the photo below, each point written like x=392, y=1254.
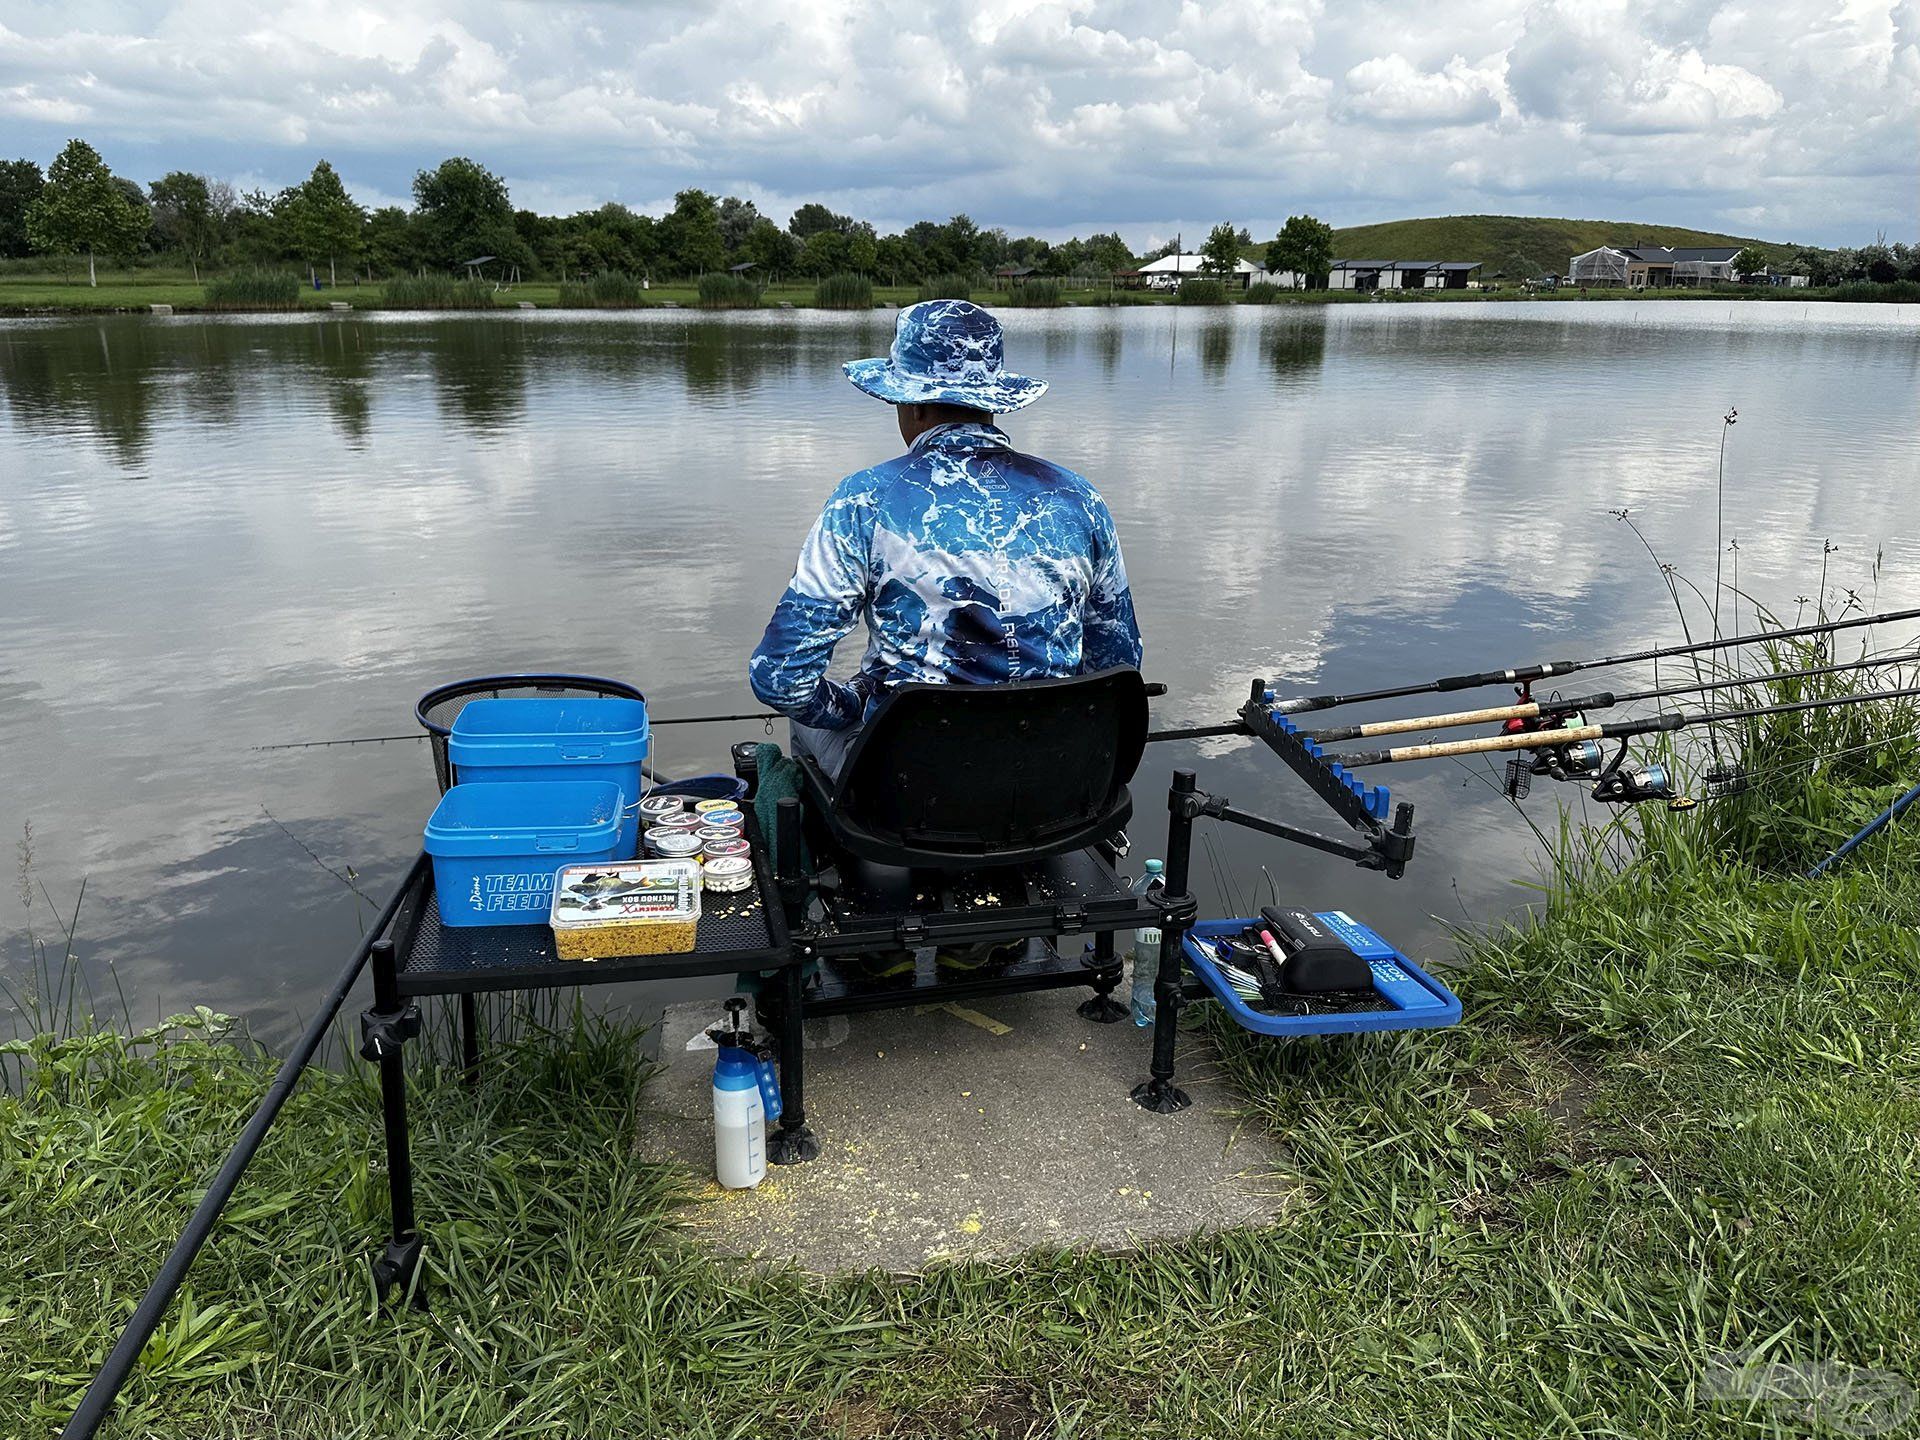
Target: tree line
x=79, y=209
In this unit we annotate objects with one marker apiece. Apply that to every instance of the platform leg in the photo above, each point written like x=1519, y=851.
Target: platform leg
x=469, y=1041
x=1101, y=1007
x=1158, y=1093
x=792, y=1143
x=384, y=1031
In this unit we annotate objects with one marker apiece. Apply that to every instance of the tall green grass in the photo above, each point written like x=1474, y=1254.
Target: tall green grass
x=1035, y=295
x=254, y=290
x=946, y=287
x=1262, y=292
x=728, y=292
x=1197, y=290
x=844, y=291
x=436, y=292
x=608, y=290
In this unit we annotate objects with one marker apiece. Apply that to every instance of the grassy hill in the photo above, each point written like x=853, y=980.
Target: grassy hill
x=1518, y=244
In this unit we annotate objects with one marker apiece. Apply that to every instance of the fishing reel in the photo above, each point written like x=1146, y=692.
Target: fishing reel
x=1624, y=783
x=1562, y=762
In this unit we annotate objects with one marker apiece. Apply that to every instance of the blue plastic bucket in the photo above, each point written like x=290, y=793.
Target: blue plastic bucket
x=497, y=847
x=562, y=738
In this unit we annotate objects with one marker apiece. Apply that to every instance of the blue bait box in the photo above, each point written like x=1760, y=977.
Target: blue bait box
x=497, y=847
x=1412, y=998
x=564, y=738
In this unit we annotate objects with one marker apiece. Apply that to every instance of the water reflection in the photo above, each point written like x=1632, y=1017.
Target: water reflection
x=218, y=534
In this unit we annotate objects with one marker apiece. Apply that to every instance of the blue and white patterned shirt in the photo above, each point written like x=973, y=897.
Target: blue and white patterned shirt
x=971, y=563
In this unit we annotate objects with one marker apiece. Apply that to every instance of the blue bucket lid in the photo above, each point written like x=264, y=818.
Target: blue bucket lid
x=546, y=730
x=531, y=817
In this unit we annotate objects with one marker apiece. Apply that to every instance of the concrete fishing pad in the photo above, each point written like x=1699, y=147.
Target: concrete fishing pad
x=976, y=1132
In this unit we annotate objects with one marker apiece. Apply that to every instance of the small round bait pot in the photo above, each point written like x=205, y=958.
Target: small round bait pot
x=654, y=808
x=728, y=874
x=677, y=820
x=721, y=832
x=725, y=849
x=673, y=844
x=703, y=807
x=728, y=815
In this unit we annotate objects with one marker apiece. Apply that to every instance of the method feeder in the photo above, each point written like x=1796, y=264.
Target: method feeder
x=1525, y=675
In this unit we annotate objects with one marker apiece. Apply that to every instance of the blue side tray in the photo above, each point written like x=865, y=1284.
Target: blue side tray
x=1419, y=1001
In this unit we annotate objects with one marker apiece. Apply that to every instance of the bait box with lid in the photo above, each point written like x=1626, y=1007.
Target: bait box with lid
x=496, y=847
x=541, y=739
x=645, y=907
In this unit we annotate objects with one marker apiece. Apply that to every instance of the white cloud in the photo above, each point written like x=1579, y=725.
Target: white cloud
x=1800, y=120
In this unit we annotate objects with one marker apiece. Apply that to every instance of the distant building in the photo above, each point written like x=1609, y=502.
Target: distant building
x=1641, y=267
x=1168, y=271
x=1401, y=274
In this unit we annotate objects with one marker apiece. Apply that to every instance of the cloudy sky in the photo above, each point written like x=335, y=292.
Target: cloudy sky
x=1794, y=119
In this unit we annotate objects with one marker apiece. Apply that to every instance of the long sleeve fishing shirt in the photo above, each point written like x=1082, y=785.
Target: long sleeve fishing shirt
x=970, y=563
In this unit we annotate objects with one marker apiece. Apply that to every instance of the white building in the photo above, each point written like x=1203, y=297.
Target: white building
x=1401, y=274
x=1168, y=271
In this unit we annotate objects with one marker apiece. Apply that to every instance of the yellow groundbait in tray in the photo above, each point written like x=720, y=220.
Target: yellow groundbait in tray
x=641, y=907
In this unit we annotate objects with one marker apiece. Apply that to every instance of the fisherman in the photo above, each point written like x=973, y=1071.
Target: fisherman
x=969, y=562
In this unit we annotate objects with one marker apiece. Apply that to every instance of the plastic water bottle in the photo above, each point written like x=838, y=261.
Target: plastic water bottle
x=1146, y=947
x=746, y=1095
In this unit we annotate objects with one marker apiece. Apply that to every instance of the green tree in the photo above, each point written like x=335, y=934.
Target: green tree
x=323, y=220
x=184, y=215
x=20, y=185
x=389, y=237
x=773, y=250
x=813, y=217
x=82, y=208
x=462, y=210
x=1109, y=252
x=736, y=218
x=1749, y=263
x=1221, y=253
x=1304, y=246
x=825, y=253
x=693, y=242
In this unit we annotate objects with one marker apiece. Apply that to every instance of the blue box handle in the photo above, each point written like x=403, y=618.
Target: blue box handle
x=583, y=752
x=557, y=842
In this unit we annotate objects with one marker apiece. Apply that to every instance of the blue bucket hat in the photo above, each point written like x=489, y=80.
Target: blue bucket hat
x=946, y=352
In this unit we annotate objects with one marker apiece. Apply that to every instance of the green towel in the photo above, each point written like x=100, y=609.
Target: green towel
x=778, y=777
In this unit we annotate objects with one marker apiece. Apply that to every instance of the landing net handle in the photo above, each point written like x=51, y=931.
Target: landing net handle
x=441, y=706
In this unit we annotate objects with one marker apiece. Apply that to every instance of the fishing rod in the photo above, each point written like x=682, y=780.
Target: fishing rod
x=1525, y=675
x=1574, y=752
x=422, y=734
x=1553, y=712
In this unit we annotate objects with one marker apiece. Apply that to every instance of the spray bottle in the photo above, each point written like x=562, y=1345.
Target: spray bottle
x=746, y=1095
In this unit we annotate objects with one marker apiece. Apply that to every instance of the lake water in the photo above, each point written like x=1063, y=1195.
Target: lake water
x=218, y=534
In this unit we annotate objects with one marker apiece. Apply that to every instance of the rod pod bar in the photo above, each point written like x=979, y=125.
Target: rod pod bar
x=1529, y=673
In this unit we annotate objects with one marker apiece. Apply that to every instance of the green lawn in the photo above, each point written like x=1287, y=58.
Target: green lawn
x=1678, y=1125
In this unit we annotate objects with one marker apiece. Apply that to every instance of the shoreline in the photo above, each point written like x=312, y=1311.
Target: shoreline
x=123, y=299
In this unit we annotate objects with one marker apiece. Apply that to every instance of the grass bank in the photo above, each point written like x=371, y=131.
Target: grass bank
x=1675, y=1132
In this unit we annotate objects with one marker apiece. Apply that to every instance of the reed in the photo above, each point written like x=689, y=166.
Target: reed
x=1263, y=292
x=1198, y=290
x=1036, y=295
x=254, y=290
x=946, y=287
x=436, y=292
x=608, y=290
x=845, y=291
x=728, y=292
